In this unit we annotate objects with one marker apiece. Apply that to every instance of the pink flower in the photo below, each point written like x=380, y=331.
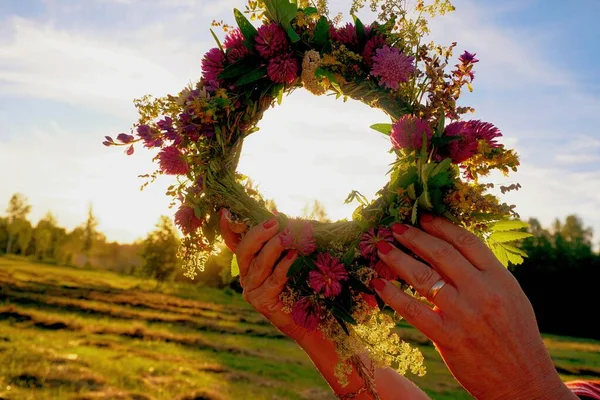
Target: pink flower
x=471, y=133
x=299, y=236
x=373, y=44
x=345, y=35
x=326, y=278
x=213, y=64
x=307, y=313
x=369, y=240
x=407, y=133
x=234, y=43
x=484, y=131
x=271, y=41
x=283, y=69
x=392, y=67
x=464, y=148
x=385, y=272
x=172, y=161
x=186, y=220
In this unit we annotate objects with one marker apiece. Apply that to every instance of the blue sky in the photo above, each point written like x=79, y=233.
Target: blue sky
x=70, y=68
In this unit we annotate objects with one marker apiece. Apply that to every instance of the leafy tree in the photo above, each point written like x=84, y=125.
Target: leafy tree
x=560, y=276
x=44, y=236
x=17, y=211
x=24, y=236
x=69, y=246
x=159, y=251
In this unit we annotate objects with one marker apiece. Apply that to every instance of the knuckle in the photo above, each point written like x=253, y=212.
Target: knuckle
x=467, y=239
x=424, y=276
x=443, y=251
x=412, y=309
x=272, y=281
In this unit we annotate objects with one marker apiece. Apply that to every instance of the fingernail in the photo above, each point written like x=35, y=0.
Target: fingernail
x=291, y=254
x=270, y=223
x=384, y=247
x=399, y=229
x=378, y=284
x=427, y=218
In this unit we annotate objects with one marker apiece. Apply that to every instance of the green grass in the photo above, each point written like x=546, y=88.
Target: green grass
x=70, y=333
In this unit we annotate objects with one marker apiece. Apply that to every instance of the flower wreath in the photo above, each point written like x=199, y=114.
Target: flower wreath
x=384, y=65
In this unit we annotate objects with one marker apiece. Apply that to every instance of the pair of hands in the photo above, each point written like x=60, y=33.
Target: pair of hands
x=482, y=323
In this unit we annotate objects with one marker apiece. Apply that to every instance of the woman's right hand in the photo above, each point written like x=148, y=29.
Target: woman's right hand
x=482, y=324
x=263, y=270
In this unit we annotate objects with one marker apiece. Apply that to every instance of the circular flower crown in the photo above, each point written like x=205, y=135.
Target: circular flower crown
x=439, y=157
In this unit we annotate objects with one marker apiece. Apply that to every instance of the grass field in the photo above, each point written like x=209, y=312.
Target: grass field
x=68, y=333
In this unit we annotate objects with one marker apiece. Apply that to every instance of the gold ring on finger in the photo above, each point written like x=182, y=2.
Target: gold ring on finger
x=435, y=288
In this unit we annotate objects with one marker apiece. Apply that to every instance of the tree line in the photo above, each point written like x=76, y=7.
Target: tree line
x=560, y=275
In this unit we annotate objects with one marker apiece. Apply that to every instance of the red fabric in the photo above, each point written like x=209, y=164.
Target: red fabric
x=585, y=389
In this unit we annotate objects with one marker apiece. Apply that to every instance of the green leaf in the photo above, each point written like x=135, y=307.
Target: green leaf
x=235, y=268
x=299, y=266
x=342, y=324
x=356, y=195
x=248, y=30
x=386, y=129
x=360, y=30
x=252, y=76
x=217, y=40
x=415, y=210
x=411, y=191
x=442, y=124
x=440, y=180
x=278, y=90
x=357, y=284
x=380, y=302
x=443, y=166
x=452, y=218
x=342, y=314
x=508, y=225
x=444, y=140
x=281, y=11
x=514, y=249
x=322, y=32
x=239, y=68
x=437, y=198
x=500, y=254
x=425, y=201
x=508, y=254
x=199, y=212
x=294, y=37
x=508, y=236
x=310, y=11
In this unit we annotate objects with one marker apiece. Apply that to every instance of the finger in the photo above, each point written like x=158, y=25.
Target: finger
x=262, y=265
x=469, y=245
x=231, y=238
x=415, y=312
x=274, y=284
x=415, y=273
x=438, y=253
x=253, y=241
